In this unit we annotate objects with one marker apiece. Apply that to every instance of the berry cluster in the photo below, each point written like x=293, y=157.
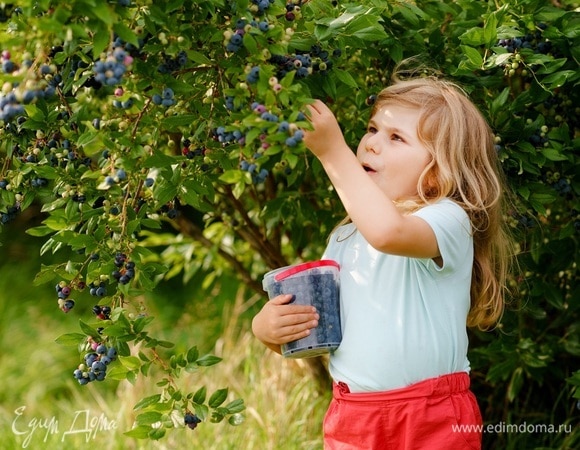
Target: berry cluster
x=260, y=6
x=563, y=187
x=173, y=64
x=293, y=10
x=110, y=71
x=258, y=176
x=95, y=366
x=124, y=104
x=10, y=213
x=227, y=137
x=40, y=84
x=125, y=271
x=52, y=150
x=102, y=312
x=234, y=40
x=190, y=153
x=98, y=290
x=191, y=420
x=167, y=98
x=8, y=66
x=533, y=41
x=169, y=210
x=64, y=302
x=304, y=64
x=253, y=74
x=540, y=137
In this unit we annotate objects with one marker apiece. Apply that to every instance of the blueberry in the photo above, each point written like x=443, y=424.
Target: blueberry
x=191, y=420
x=291, y=142
x=101, y=291
x=98, y=366
x=90, y=358
x=101, y=349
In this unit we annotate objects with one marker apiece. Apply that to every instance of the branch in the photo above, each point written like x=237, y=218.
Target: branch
x=272, y=257
x=188, y=228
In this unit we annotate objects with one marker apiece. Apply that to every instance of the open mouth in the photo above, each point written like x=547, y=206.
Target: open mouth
x=368, y=169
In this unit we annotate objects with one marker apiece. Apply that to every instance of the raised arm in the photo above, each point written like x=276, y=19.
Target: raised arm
x=366, y=202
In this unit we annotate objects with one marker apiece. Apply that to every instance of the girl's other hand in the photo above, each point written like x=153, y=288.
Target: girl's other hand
x=280, y=322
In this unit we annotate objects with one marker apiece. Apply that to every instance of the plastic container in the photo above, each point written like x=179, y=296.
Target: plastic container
x=315, y=284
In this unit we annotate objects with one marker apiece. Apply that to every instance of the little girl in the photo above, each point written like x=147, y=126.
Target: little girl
x=423, y=256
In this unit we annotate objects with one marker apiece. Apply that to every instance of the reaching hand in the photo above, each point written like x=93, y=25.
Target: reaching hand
x=280, y=322
x=327, y=135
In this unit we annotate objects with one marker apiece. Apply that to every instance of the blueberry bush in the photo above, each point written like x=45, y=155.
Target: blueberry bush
x=155, y=140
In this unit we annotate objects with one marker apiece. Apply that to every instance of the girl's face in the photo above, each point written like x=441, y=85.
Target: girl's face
x=391, y=152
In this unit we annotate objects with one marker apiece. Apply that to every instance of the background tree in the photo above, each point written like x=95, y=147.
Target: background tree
x=164, y=139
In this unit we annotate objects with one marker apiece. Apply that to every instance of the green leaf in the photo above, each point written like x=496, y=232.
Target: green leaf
x=147, y=401
x=117, y=372
x=200, y=395
x=116, y=330
x=218, y=397
x=139, y=432
x=554, y=155
x=70, y=339
x=130, y=362
x=558, y=79
x=148, y=418
x=157, y=433
x=490, y=30
x=45, y=275
x=515, y=384
x=100, y=41
x=232, y=176
x=199, y=58
x=236, y=406
x=39, y=231
x=88, y=330
x=103, y=12
x=473, y=37
x=126, y=34
x=208, y=360
x=250, y=43
x=345, y=77
x=236, y=419
x=192, y=354
x=473, y=55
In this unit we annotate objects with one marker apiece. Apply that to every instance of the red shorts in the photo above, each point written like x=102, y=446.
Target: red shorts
x=435, y=414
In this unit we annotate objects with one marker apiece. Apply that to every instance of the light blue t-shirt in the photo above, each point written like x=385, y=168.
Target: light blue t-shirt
x=403, y=319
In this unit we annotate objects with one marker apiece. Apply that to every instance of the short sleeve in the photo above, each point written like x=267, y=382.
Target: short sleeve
x=452, y=229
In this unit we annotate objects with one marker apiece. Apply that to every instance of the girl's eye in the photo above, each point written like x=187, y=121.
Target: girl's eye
x=371, y=129
x=396, y=137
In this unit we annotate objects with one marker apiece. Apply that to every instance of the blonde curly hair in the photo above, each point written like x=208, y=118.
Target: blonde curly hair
x=465, y=168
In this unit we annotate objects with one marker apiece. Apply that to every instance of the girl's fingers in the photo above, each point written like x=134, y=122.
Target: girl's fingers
x=285, y=299
x=282, y=299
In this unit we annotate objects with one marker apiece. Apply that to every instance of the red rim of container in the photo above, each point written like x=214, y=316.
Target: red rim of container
x=305, y=266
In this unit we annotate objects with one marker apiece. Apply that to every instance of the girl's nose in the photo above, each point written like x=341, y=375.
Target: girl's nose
x=372, y=144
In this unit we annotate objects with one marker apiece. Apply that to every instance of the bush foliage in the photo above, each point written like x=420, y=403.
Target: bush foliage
x=154, y=140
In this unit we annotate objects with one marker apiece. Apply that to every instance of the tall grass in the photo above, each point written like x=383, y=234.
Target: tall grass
x=40, y=403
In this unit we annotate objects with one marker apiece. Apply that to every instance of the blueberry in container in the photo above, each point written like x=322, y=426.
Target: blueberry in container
x=315, y=284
